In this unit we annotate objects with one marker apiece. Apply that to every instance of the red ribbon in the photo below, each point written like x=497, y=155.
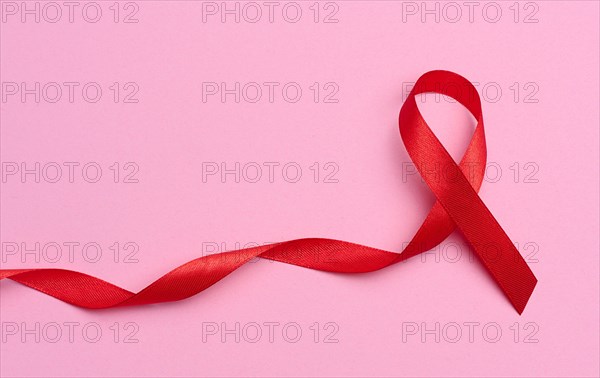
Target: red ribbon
x=457, y=206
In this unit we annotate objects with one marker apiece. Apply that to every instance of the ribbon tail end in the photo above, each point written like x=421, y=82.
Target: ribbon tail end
x=521, y=302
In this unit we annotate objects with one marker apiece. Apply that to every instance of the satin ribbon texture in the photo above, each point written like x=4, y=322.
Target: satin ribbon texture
x=458, y=206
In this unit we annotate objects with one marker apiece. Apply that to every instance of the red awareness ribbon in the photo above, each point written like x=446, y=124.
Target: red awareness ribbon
x=458, y=206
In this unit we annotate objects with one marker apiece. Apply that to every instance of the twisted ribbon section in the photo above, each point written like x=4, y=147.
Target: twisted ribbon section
x=458, y=206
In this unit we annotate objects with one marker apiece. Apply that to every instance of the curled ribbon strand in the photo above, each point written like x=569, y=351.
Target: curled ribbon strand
x=458, y=206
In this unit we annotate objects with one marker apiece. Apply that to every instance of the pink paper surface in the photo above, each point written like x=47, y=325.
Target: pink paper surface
x=126, y=193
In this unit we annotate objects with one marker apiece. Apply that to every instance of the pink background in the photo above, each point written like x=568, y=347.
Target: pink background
x=171, y=212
